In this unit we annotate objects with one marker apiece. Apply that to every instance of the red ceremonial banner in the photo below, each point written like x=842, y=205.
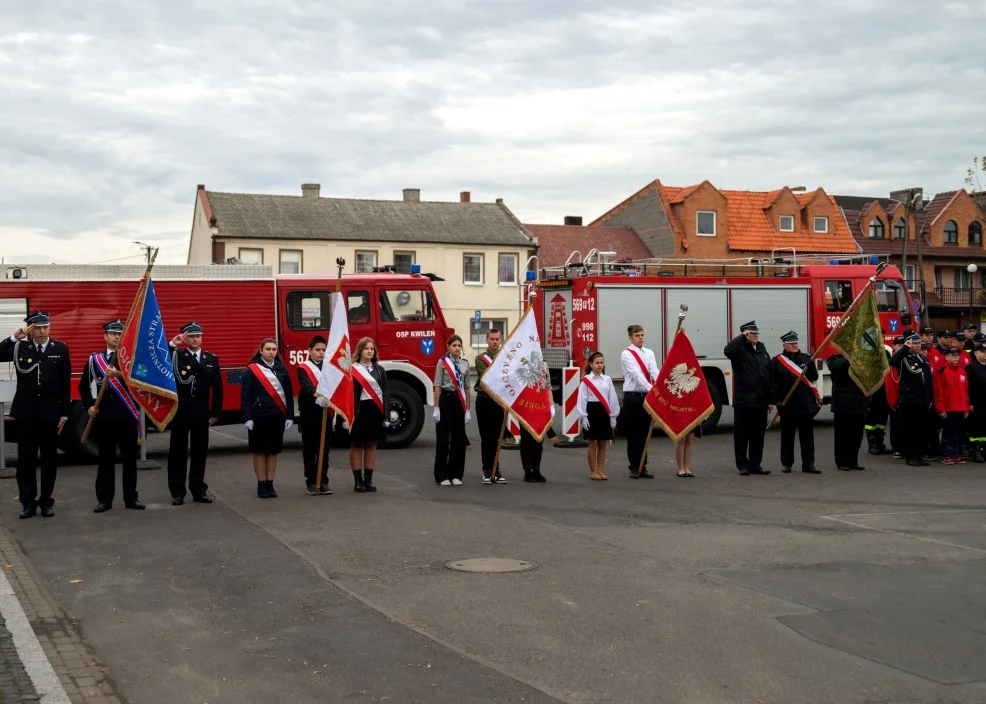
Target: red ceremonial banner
x=680, y=400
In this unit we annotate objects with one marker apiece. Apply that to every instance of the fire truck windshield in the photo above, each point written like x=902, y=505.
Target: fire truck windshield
x=890, y=298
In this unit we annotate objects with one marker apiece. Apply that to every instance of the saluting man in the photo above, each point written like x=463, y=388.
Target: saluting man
x=41, y=407
x=311, y=408
x=752, y=394
x=798, y=415
x=914, y=399
x=116, y=423
x=200, y=403
x=639, y=373
x=489, y=413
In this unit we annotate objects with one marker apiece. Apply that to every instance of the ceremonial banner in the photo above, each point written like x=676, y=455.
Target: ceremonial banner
x=860, y=340
x=336, y=380
x=518, y=378
x=145, y=359
x=679, y=400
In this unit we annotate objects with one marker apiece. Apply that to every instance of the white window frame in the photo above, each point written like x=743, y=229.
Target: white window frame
x=280, y=259
x=515, y=260
x=484, y=325
x=356, y=264
x=780, y=224
x=241, y=250
x=814, y=224
x=910, y=277
x=482, y=267
x=715, y=225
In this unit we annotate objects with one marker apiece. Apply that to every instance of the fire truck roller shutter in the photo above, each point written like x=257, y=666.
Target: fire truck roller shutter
x=777, y=309
x=621, y=306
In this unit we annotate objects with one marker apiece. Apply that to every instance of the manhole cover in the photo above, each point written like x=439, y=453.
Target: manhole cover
x=490, y=564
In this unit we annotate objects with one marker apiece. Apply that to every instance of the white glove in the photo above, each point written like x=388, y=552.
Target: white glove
x=437, y=415
x=321, y=402
x=249, y=425
x=585, y=422
x=386, y=424
x=552, y=411
x=612, y=423
x=288, y=424
x=468, y=417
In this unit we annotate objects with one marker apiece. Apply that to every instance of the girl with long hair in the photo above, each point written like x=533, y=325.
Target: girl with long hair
x=598, y=408
x=267, y=408
x=451, y=414
x=372, y=405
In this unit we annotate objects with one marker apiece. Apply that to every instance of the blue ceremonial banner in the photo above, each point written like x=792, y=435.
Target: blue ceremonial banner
x=145, y=359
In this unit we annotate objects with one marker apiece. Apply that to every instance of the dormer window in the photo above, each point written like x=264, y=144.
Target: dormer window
x=787, y=223
x=899, y=229
x=705, y=223
x=876, y=229
x=951, y=232
x=821, y=224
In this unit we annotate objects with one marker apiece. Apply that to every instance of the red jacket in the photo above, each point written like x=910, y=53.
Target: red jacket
x=951, y=389
x=891, y=385
x=938, y=360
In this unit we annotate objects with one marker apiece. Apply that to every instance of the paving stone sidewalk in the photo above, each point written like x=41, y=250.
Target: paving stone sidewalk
x=84, y=677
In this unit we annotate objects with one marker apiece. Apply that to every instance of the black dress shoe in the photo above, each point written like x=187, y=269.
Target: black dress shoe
x=101, y=508
x=136, y=505
x=843, y=468
x=177, y=502
x=811, y=470
x=47, y=512
x=759, y=470
x=786, y=470
x=29, y=512
x=857, y=466
x=743, y=472
x=644, y=474
x=202, y=499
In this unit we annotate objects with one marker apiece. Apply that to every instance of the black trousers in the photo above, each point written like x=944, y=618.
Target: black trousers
x=804, y=425
x=181, y=433
x=109, y=436
x=530, y=453
x=32, y=438
x=932, y=433
x=636, y=423
x=896, y=426
x=849, y=428
x=311, y=434
x=749, y=428
x=489, y=417
x=875, y=420
x=450, y=450
x=911, y=417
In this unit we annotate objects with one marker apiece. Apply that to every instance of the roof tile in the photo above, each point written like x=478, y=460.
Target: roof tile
x=557, y=242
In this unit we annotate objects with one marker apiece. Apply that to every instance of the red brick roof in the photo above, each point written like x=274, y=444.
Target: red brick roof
x=557, y=242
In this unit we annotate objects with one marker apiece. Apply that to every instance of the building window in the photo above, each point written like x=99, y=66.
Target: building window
x=975, y=233
x=398, y=306
x=821, y=224
x=838, y=296
x=951, y=232
x=909, y=276
x=962, y=278
x=899, y=229
x=876, y=229
x=479, y=331
x=290, y=261
x=787, y=223
x=250, y=256
x=403, y=262
x=308, y=310
x=365, y=261
x=472, y=269
x=358, y=306
x=507, y=271
x=938, y=277
x=705, y=223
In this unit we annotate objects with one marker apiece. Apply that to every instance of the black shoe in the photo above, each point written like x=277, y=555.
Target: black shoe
x=358, y=479
x=873, y=450
x=177, y=502
x=786, y=470
x=843, y=468
x=759, y=470
x=743, y=472
x=324, y=489
x=857, y=466
x=311, y=488
x=539, y=478
x=810, y=469
x=368, y=481
x=918, y=463
x=135, y=505
x=102, y=508
x=271, y=494
x=47, y=512
x=29, y=511
x=897, y=455
x=529, y=478
x=644, y=474
x=202, y=499
x=634, y=475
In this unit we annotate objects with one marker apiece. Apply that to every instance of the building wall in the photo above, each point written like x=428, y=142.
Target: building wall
x=705, y=197
x=646, y=216
x=200, y=243
x=963, y=210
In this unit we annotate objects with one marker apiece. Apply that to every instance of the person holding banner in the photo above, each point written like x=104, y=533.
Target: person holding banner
x=267, y=408
x=798, y=414
x=489, y=414
x=639, y=373
x=371, y=401
x=116, y=421
x=310, y=409
x=849, y=408
x=451, y=414
x=598, y=408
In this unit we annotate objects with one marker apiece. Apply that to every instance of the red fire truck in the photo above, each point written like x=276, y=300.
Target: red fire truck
x=587, y=306
x=238, y=305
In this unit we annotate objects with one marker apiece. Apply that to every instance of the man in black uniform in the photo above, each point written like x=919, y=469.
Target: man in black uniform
x=200, y=403
x=798, y=415
x=751, y=397
x=41, y=407
x=970, y=331
x=311, y=408
x=914, y=398
x=489, y=413
x=115, y=423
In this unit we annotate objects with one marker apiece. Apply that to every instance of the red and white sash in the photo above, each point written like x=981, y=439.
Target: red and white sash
x=598, y=394
x=119, y=388
x=271, y=384
x=312, y=371
x=453, y=371
x=796, y=370
x=369, y=384
x=640, y=360
x=487, y=360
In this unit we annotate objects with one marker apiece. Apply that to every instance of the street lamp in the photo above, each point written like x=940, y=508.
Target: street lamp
x=972, y=268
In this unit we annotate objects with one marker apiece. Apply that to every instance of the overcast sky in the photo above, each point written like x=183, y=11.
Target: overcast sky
x=112, y=111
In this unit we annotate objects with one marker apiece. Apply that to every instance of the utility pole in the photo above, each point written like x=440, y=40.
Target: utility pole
x=148, y=250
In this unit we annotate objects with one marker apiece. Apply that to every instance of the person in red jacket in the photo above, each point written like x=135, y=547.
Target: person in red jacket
x=952, y=403
x=958, y=343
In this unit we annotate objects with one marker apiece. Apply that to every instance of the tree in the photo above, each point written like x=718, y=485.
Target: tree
x=972, y=175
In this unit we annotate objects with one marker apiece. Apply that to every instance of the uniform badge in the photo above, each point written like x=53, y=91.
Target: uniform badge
x=184, y=372
x=29, y=360
x=188, y=369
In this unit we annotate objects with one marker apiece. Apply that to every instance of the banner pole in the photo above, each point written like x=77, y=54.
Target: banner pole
x=499, y=444
x=340, y=263
x=682, y=310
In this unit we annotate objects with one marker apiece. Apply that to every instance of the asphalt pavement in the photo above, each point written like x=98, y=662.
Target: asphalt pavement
x=850, y=588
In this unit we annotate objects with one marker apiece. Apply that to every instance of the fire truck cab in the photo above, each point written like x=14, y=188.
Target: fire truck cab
x=587, y=305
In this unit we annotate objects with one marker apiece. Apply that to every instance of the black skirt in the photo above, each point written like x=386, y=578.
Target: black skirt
x=368, y=423
x=267, y=436
x=599, y=428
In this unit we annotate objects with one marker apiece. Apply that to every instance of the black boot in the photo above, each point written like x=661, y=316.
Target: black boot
x=976, y=452
x=358, y=478
x=368, y=481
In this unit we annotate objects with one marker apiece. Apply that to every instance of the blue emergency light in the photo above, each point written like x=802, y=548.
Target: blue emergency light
x=874, y=259
x=834, y=262
x=415, y=268
x=531, y=275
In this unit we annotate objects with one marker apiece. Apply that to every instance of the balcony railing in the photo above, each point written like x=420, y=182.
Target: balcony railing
x=961, y=297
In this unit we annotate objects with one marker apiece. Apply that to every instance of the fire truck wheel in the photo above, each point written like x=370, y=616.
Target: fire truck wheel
x=709, y=426
x=70, y=441
x=407, y=416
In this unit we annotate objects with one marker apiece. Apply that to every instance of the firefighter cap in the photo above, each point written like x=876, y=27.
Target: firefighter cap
x=979, y=348
x=38, y=318
x=750, y=327
x=113, y=326
x=927, y=330
x=943, y=333
x=971, y=326
x=979, y=337
x=789, y=337
x=191, y=328
x=959, y=335
x=952, y=350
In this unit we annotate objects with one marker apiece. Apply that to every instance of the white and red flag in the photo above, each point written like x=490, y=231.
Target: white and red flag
x=518, y=378
x=336, y=380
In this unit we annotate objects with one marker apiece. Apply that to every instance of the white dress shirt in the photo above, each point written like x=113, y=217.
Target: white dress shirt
x=587, y=396
x=633, y=375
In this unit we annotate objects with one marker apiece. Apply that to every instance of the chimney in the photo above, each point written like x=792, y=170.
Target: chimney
x=310, y=190
x=499, y=201
x=412, y=195
x=573, y=220
x=905, y=194
x=465, y=197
